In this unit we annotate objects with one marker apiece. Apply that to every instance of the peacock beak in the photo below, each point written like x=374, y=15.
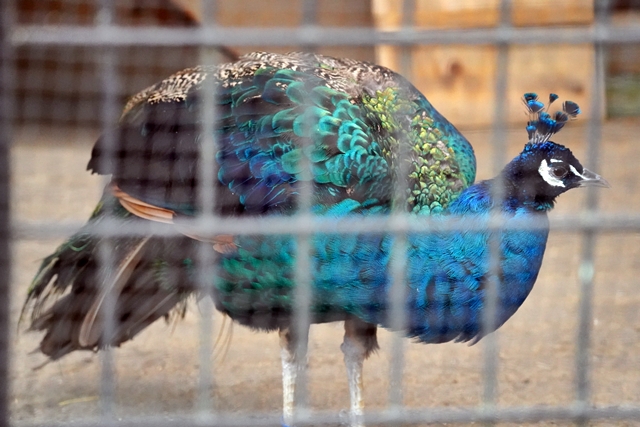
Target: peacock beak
x=592, y=179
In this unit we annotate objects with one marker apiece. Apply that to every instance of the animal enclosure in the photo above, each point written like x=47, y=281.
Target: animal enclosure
x=570, y=354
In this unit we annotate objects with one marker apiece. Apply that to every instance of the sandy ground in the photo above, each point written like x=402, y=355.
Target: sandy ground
x=157, y=373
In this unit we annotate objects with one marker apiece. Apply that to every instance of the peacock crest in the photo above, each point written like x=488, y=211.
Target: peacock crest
x=542, y=125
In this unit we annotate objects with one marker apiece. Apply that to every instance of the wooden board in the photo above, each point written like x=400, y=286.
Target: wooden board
x=483, y=13
x=282, y=13
x=460, y=80
x=288, y=13
x=624, y=58
x=552, y=12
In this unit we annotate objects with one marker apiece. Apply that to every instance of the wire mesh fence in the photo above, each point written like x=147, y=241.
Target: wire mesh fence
x=67, y=66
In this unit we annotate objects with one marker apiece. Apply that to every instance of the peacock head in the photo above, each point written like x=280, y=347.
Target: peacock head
x=545, y=169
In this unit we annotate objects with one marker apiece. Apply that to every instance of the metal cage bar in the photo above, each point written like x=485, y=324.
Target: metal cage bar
x=6, y=92
x=109, y=114
x=586, y=269
x=343, y=36
x=206, y=196
x=526, y=414
x=600, y=222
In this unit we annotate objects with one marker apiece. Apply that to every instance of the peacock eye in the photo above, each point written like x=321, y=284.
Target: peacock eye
x=559, y=171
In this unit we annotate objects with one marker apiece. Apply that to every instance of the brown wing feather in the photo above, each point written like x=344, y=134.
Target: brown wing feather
x=222, y=243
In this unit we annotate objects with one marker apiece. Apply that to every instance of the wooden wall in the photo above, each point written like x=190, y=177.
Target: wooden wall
x=288, y=13
x=62, y=85
x=460, y=80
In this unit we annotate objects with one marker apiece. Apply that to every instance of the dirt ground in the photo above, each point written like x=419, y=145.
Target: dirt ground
x=157, y=373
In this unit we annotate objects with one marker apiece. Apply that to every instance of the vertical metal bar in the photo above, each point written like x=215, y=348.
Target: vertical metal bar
x=109, y=114
x=303, y=294
x=206, y=200
x=6, y=108
x=309, y=20
x=491, y=344
x=309, y=12
x=398, y=291
x=586, y=268
x=397, y=303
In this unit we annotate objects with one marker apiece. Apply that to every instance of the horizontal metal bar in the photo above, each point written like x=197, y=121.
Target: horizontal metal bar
x=307, y=224
x=43, y=35
x=529, y=414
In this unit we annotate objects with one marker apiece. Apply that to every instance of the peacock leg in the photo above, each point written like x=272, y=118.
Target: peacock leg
x=291, y=364
x=359, y=342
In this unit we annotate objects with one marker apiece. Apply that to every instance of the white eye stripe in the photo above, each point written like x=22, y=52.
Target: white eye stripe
x=545, y=172
x=576, y=173
x=556, y=161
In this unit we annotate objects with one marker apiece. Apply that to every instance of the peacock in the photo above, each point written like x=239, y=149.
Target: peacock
x=345, y=129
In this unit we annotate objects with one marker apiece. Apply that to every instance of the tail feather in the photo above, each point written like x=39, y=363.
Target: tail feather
x=91, y=328
x=150, y=278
